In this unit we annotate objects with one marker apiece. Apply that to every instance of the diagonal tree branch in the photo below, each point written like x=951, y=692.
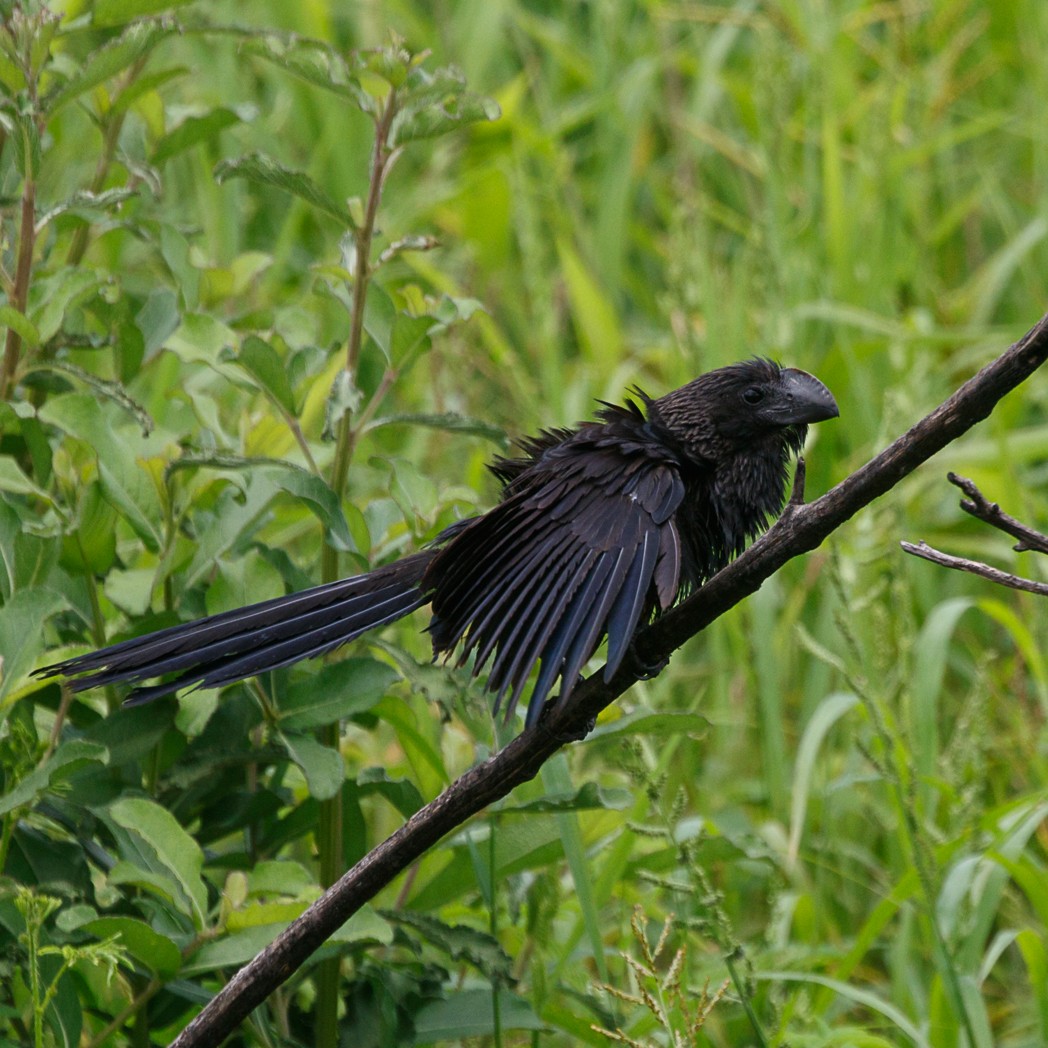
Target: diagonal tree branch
x=799, y=530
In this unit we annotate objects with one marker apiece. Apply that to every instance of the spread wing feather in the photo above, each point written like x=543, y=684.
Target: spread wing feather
x=583, y=546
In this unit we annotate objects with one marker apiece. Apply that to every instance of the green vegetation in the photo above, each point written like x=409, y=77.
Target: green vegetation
x=824, y=823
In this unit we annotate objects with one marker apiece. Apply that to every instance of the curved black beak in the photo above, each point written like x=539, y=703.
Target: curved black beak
x=802, y=399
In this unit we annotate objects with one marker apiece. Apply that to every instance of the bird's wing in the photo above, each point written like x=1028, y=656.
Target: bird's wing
x=584, y=544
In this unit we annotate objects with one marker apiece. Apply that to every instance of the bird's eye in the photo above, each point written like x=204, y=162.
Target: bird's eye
x=753, y=395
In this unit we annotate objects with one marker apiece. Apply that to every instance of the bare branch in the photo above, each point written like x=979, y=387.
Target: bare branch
x=975, y=567
x=980, y=507
x=798, y=531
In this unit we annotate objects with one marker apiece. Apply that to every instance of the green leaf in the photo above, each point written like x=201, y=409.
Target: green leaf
x=119, y=12
x=87, y=205
x=317, y=495
x=401, y=793
x=450, y=421
x=127, y=486
x=409, y=334
x=280, y=877
x=264, y=170
x=19, y=322
x=22, y=620
x=260, y=360
x=459, y=941
x=233, y=951
x=13, y=479
x=134, y=43
x=131, y=590
x=830, y=710
x=70, y=757
x=439, y=108
x=171, y=851
x=323, y=767
x=53, y=297
x=143, y=85
x=380, y=315
x=342, y=689
x=344, y=399
x=158, y=319
x=25, y=139
x=471, y=1013
x=157, y=952
x=196, y=129
x=644, y=722
x=91, y=548
x=314, y=62
x=104, y=388
x=587, y=796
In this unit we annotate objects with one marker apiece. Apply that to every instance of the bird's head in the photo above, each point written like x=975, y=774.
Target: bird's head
x=753, y=402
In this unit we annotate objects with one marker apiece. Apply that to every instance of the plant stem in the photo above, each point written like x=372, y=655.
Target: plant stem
x=110, y=138
x=329, y=824
x=381, y=161
x=26, y=242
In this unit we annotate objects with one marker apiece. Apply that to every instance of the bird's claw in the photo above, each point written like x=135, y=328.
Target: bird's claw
x=641, y=668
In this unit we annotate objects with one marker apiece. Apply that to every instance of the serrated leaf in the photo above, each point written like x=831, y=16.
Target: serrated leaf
x=314, y=62
x=106, y=389
x=322, y=766
x=196, y=129
x=340, y=690
x=450, y=421
x=87, y=205
x=430, y=118
x=173, y=853
x=264, y=170
x=459, y=941
x=134, y=43
x=70, y=757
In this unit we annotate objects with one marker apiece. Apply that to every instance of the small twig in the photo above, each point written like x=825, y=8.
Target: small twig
x=980, y=507
x=975, y=567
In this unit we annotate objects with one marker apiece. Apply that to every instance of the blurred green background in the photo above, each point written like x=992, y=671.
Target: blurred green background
x=833, y=802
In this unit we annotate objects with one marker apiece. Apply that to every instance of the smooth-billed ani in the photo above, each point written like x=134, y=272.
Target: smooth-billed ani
x=598, y=529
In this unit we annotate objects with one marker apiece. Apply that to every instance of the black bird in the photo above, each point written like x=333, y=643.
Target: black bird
x=598, y=529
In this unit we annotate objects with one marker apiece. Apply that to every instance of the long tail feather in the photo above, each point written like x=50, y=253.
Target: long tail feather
x=236, y=644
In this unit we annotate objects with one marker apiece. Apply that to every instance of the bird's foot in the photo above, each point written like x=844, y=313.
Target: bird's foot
x=641, y=668
x=576, y=734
